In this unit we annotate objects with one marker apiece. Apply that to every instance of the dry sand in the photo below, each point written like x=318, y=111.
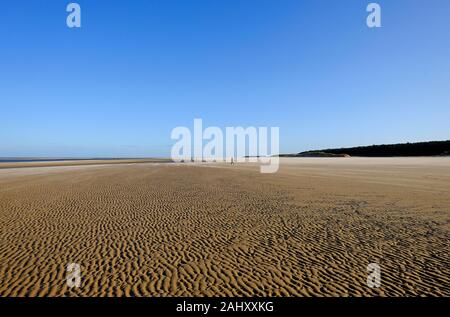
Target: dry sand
x=77, y=162
x=181, y=229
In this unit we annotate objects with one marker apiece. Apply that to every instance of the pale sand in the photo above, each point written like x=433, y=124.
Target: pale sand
x=78, y=162
x=215, y=229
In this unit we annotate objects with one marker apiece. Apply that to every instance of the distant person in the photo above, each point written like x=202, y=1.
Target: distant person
x=232, y=161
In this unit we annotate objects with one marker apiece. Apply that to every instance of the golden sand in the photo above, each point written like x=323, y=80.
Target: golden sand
x=219, y=230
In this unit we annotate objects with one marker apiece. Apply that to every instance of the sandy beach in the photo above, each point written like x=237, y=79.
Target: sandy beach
x=153, y=229
x=18, y=164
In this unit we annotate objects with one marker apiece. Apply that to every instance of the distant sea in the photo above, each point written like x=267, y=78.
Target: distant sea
x=20, y=160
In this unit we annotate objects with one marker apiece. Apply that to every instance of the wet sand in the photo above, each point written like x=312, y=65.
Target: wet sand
x=154, y=229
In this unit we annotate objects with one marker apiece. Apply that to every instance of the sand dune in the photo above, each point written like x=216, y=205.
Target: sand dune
x=219, y=230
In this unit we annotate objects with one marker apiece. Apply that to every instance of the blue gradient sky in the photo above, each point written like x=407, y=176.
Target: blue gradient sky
x=137, y=69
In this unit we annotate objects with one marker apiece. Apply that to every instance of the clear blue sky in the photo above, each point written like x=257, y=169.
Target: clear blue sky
x=137, y=69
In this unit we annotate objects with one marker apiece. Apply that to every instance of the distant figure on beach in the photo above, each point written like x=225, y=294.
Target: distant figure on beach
x=232, y=161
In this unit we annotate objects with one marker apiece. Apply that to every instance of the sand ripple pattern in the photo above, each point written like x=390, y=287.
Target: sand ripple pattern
x=155, y=230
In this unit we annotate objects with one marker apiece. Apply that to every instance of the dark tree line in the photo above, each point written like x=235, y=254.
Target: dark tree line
x=433, y=148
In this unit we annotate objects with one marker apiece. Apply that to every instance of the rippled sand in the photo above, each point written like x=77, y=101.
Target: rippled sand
x=181, y=229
